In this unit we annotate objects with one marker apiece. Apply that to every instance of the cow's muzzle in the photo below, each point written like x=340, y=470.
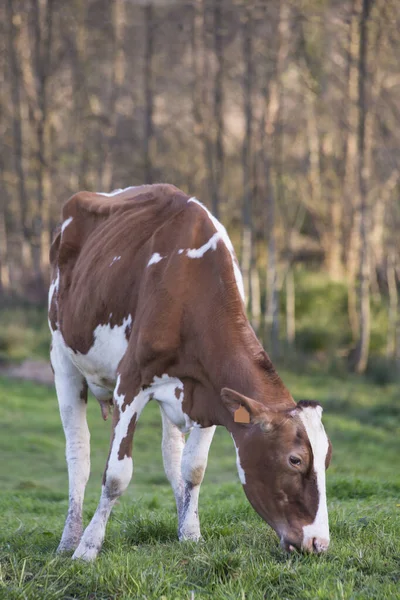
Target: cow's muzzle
x=315, y=545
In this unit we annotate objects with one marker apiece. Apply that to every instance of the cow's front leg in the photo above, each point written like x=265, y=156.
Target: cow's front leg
x=173, y=443
x=118, y=472
x=71, y=390
x=194, y=462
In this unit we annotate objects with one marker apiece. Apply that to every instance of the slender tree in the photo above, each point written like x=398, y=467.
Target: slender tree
x=362, y=348
x=148, y=149
x=14, y=20
x=247, y=231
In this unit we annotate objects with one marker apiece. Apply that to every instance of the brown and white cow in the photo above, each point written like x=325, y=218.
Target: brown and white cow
x=146, y=302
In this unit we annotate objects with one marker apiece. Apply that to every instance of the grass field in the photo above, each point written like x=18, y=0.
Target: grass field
x=239, y=556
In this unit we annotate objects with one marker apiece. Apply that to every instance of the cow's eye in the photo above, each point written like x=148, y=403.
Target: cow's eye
x=295, y=461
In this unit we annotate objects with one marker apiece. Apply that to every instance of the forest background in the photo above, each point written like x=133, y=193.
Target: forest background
x=282, y=117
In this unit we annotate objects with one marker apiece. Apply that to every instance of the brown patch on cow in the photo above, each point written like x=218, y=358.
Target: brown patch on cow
x=196, y=475
x=128, y=331
x=52, y=312
x=178, y=393
x=125, y=448
x=84, y=392
x=328, y=454
x=116, y=416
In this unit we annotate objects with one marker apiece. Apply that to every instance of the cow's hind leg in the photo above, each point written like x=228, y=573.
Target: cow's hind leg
x=71, y=390
x=194, y=462
x=173, y=443
x=118, y=471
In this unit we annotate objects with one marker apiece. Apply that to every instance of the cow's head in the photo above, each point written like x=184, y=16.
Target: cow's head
x=282, y=457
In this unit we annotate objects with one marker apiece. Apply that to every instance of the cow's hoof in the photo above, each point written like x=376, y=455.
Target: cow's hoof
x=86, y=552
x=67, y=546
x=191, y=536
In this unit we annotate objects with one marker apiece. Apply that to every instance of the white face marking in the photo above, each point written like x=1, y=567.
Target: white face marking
x=210, y=245
x=311, y=419
x=115, y=260
x=225, y=238
x=241, y=473
x=65, y=224
x=156, y=257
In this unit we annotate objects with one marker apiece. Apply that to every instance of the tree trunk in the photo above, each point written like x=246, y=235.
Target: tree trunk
x=247, y=232
x=117, y=80
x=290, y=309
x=393, y=305
x=149, y=95
x=43, y=28
x=362, y=348
x=4, y=265
x=22, y=225
x=218, y=108
x=255, y=294
x=275, y=191
x=351, y=183
x=81, y=103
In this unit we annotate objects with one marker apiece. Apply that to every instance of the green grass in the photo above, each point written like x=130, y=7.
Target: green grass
x=239, y=556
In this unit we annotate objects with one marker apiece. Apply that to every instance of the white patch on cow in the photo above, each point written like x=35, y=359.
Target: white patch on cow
x=241, y=473
x=181, y=251
x=54, y=287
x=194, y=463
x=225, y=238
x=99, y=365
x=169, y=391
x=113, y=193
x=319, y=529
x=115, y=259
x=65, y=224
x=156, y=257
x=210, y=245
x=173, y=442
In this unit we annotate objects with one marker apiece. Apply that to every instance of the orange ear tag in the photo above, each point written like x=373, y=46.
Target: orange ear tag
x=241, y=415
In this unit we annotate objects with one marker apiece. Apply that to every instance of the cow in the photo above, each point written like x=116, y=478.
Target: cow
x=147, y=303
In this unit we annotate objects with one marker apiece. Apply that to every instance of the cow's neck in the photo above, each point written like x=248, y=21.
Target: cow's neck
x=244, y=366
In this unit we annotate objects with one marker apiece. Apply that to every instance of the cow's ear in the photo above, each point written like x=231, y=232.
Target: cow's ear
x=242, y=408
